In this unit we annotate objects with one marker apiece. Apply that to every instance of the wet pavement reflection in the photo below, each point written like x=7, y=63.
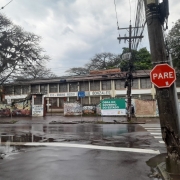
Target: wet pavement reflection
x=124, y=135
x=12, y=138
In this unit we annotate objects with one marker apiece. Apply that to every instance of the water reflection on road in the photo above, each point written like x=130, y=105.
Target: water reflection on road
x=39, y=132
x=124, y=135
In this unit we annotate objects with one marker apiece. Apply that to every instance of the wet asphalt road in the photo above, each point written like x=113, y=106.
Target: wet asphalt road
x=36, y=163
x=47, y=163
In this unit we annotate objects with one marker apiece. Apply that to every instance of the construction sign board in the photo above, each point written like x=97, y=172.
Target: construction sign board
x=113, y=107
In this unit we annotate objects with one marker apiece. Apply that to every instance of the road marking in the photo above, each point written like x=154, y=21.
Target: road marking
x=162, y=142
x=158, y=137
x=148, y=151
x=154, y=130
x=150, y=125
x=156, y=133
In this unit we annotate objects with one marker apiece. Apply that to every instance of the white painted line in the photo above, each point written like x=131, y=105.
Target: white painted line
x=158, y=137
x=154, y=130
x=156, y=133
x=148, y=151
x=162, y=142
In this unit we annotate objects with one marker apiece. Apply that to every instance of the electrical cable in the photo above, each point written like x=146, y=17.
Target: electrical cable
x=116, y=14
x=130, y=9
x=6, y=5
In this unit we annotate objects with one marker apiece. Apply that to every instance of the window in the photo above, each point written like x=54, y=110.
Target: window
x=119, y=84
x=146, y=96
x=95, y=100
x=53, y=102
x=25, y=89
x=84, y=86
x=178, y=94
x=43, y=88
x=61, y=102
x=85, y=100
x=95, y=86
x=63, y=88
x=53, y=88
x=145, y=83
x=178, y=81
x=134, y=96
x=17, y=90
x=73, y=87
x=135, y=84
x=8, y=90
x=106, y=97
x=106, y=85
x=72, y=99
x=35, y=89
x=38, y=100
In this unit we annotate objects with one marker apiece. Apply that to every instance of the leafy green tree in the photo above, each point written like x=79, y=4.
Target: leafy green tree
x=173, y=40
x=141, y=60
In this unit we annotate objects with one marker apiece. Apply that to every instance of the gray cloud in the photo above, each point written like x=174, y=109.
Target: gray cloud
x=73, y=31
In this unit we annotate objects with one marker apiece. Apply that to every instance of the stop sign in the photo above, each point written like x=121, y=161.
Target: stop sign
x=163, y=75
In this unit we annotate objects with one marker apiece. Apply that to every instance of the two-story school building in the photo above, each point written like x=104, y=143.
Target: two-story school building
x=54, y=92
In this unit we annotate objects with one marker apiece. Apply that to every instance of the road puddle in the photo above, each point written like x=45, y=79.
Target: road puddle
x=131, y=136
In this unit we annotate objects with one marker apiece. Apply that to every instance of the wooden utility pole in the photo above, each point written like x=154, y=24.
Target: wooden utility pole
x=165, y=96
x=129, y=76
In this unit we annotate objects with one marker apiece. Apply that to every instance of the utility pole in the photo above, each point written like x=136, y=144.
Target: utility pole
x=156, y=13
x=129, y=76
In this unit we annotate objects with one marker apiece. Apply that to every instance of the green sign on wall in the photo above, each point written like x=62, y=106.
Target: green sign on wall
x=113, y=107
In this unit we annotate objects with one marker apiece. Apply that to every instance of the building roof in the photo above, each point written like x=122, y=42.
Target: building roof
x=63, y=79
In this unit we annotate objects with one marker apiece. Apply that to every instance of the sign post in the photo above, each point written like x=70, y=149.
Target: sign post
x=163, y=75
x=81, y=94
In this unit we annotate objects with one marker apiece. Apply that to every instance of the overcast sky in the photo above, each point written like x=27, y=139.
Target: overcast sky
x=73, y=31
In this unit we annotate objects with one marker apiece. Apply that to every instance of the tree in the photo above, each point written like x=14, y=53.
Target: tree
x=35, y=72
x=19, y=50
x=173, y=39
x=99, y=61
x=141, y=60
x=77, y=71
x=103, y=61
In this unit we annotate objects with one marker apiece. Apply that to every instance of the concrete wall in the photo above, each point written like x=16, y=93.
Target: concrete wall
x=145, y=108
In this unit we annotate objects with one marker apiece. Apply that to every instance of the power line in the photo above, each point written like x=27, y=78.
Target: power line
x=6, y=5
x=130, y=9
x=139, y=22
x=116, y=14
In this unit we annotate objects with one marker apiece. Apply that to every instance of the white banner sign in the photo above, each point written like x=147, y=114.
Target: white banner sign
x=75, y=94
x=37, y=110
x=8, y=101
x=99, y=93
x=66, y=94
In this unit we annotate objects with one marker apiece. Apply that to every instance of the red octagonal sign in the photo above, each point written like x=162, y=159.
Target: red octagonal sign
x=163, y=75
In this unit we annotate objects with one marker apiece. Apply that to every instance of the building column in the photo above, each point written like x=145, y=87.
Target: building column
x=100, y=88
x=139, y=86
x=67, y=91
x=112, y=89
x=89, y=91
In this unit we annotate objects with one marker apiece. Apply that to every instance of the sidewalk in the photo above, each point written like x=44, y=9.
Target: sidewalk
x=61, y=119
